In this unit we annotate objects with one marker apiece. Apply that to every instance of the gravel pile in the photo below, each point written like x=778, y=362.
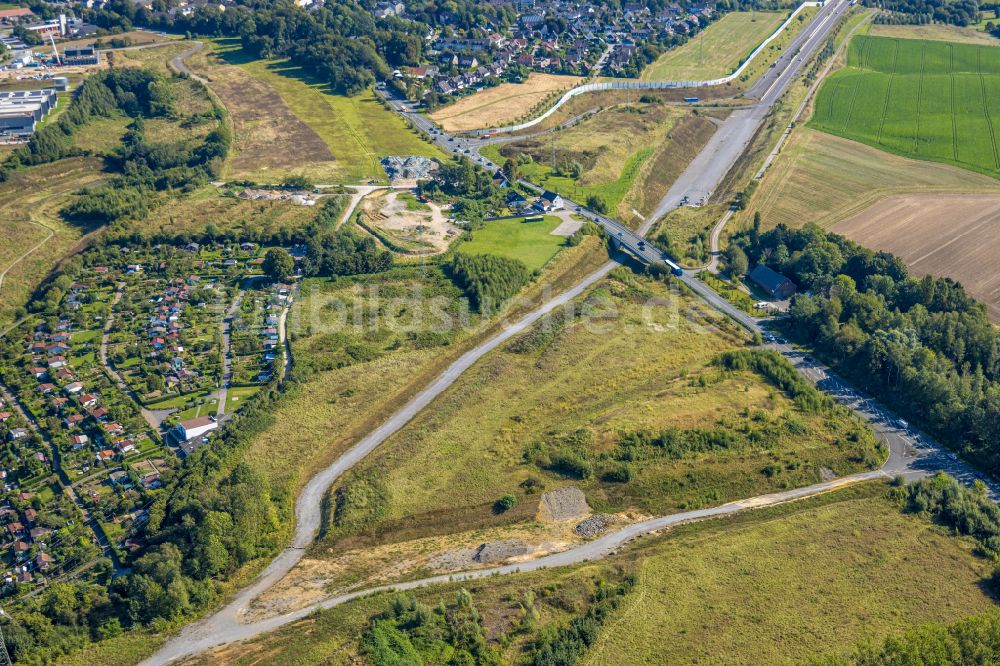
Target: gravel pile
x=563, y=504
x=596, y=525
x=409, y=167
x=458, y=559
x=497, y=551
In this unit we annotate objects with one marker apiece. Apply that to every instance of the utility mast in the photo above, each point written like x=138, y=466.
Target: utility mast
x=55, y=51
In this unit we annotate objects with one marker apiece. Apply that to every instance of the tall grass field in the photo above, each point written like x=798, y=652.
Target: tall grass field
x=931, y=100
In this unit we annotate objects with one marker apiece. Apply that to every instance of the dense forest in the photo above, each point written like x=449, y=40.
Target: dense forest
x=488, y=280
x=924, y=346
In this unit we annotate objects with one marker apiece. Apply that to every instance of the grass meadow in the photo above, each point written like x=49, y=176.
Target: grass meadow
x=771, y=586
x=931, y=100
x=35, y=236
x=355, y=372
x=285, y=122
x=792, y=583
x=718, y=50
x=529, y=242
x=639, y=360
x=623, y=151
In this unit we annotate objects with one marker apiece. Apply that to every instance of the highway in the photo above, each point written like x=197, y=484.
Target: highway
x=909, y=454
x=703, y=176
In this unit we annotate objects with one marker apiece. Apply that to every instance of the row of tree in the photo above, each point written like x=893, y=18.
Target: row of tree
x=956, y=12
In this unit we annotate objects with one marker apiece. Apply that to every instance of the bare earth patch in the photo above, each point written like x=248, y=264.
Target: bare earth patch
x=425, y=231
x=501, y=105
x=940, y=234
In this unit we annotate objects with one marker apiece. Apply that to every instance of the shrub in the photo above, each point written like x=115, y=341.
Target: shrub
x=506, y=503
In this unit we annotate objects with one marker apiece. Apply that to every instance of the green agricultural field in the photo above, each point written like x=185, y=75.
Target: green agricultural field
x=530, y=242
x=718, y=50
x=931, y=100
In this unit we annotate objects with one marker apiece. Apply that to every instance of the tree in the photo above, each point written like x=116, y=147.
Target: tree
x=278, y=264
x=596, y=203
x=736, y=261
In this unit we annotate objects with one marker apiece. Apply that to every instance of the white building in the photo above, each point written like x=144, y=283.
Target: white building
x=193, y=428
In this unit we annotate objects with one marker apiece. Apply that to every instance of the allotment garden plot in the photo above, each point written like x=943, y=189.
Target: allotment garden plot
x=927, y=99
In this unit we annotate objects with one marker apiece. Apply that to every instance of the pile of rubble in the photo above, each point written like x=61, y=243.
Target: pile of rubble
x=490, y=552
x=562, y=504
x=409, y=168
x=596, y=525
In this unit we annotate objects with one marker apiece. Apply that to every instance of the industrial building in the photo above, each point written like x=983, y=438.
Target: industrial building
x=20, y=110
x=86, y=55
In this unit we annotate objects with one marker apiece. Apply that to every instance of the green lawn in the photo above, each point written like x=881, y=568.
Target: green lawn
x=358, y=130
x=237, y=396
x=85, y=336
x=717, y=51
x=177, y=400
x=930, y=100
x=530, y=242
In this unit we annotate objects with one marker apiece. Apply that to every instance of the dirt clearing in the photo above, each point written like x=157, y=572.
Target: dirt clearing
x=410, y=226
x=944, y=235
x=504, y=104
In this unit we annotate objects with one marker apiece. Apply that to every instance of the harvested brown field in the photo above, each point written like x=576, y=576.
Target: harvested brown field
x=824, y=179
x=953, y=235
x=268, y=136
x=503, y=104
x=935, y=31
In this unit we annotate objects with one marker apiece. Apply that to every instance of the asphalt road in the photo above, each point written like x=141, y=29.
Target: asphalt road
x=909, y=453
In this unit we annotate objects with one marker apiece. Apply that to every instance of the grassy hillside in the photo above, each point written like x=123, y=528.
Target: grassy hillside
x=637, y=361
x=774, y=591
x=286, y=123
x=718, y=50
x=766, y=587
x=926, y=99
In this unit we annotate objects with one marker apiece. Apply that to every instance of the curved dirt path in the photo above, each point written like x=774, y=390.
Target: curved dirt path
x=178, y=63
x=224, y=626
